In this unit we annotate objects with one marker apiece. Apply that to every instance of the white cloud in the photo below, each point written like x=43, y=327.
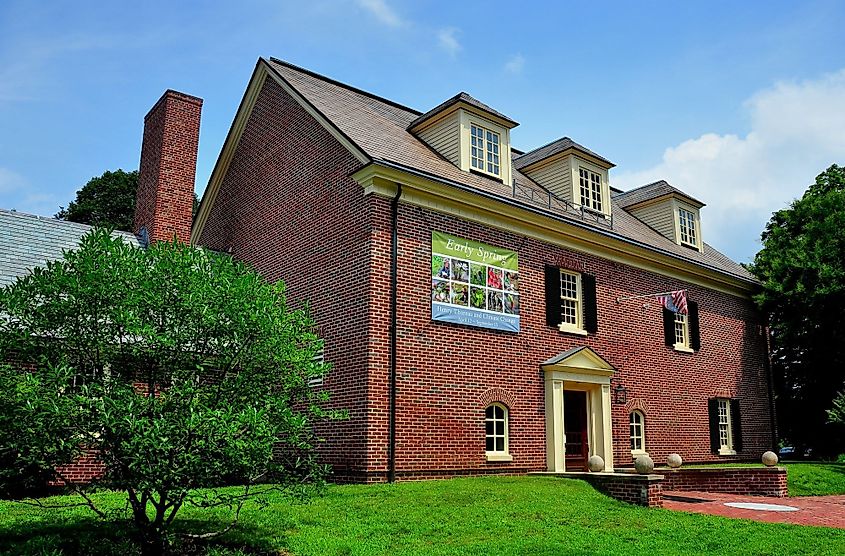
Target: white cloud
x=10, y=182
x=382, y=12
x=515, y=64
x=448, y=40
x=797, y=130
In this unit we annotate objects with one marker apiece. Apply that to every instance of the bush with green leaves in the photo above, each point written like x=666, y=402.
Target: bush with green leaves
x=177, y=367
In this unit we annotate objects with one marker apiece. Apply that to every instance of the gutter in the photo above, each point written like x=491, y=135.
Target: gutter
x=554, y=216
x=394, y=255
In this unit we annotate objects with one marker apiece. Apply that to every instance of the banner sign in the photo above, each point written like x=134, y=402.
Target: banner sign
x=474, y=283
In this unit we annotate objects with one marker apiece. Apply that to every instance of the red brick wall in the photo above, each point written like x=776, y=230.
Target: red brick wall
x=168, y=167
x=445, y=370
x=760, y=481
x=640, y=490
x=288, y=207
x=84, y=469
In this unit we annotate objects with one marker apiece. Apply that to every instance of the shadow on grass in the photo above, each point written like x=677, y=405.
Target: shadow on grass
x=117, y=538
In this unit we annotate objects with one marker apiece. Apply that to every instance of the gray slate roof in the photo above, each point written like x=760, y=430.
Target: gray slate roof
x=552, y=149
x=379, y=127
x=28, y=241
x=650, y=191
x=460, y=97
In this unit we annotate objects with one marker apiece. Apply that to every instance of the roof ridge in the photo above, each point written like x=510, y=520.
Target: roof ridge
x=345, y=85
x=647, y=185
x=548, y=144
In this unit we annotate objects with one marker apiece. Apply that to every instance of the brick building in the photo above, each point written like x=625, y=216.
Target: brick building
x=468, y=292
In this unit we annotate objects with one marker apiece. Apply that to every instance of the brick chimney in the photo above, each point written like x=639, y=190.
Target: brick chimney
x=164, y=203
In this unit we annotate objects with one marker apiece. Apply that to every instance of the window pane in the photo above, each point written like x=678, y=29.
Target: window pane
x=489, y=446
x=500, y=413
x=489, y=427
x=500, y=444
x=489, y=411
x=500, y=428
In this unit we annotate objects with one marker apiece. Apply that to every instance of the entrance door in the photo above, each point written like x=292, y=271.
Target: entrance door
x=576, y=449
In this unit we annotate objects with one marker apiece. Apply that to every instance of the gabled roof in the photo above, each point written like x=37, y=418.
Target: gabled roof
x=28, y=241
x=462, y=98
x=377, y=129
x=652, y=191
x=553, y=148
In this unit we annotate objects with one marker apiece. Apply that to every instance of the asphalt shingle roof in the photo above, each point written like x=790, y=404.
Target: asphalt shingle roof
x=28, y=241
x=379, y=127
x=460, y=97
x=552, y=149
x=650, y=191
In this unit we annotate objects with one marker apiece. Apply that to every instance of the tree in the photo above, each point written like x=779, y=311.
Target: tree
x=802, y=268
x=107, y=201
x=836, y=414
x=179, y=368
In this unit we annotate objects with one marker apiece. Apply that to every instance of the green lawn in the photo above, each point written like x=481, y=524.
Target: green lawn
x=805, y=478
x=815, y=478
x=495, y=515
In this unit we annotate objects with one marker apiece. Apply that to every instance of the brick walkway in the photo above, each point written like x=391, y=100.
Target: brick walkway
x=824, y=511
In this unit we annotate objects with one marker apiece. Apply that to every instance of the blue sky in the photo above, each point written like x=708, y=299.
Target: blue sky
x=739, y=103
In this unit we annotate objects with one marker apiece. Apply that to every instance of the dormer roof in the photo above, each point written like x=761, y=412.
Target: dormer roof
x=465, y=100
x=651, y=192
x=556, y=147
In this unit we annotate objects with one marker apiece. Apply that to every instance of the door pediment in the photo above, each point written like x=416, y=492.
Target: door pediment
x=581, y=360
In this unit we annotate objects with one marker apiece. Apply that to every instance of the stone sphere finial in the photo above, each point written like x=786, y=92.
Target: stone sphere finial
x=644, y=465
x=595, y=464
x=674, y=460
x=769, y=458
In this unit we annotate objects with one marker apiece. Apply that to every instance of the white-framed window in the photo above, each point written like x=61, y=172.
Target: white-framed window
x=726, y=445
x=686, y=225
x=485, y=146
x=682, y=331
x=571, y=314
x=319, y=357
x=637, y=420
x=496, y=431
x=590, y=183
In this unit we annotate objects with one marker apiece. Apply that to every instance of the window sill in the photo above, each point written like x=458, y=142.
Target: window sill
x=499, y=456
x=568, y=329
x=683, y=349
x=484, y=174
x=726, y=452
x=637, y=453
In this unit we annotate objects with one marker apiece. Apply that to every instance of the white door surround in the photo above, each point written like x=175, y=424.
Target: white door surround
x=578, y=369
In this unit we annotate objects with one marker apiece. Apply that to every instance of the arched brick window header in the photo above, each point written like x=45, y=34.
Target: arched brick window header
x=497, y=395
x=636, y=404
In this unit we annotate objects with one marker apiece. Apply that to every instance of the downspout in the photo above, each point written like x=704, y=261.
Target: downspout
x=771, y=380
x=394, y=253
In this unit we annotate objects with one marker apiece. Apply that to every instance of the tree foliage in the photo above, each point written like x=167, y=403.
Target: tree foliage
x=802, y=267
x=107, y=201
x=836, y=414
x=179, y=368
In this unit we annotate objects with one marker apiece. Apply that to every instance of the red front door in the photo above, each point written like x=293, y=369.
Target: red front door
x=577, y=449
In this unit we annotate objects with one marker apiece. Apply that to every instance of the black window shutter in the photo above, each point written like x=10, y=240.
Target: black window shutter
x=694, y=330
x=552, y=295
x=588, y=293
x=669, y=327
x=736, y=426
x=713, y=409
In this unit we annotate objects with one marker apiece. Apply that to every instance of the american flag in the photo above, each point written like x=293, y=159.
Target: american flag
x=675, y=301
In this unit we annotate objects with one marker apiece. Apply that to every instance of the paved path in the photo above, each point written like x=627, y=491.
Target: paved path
x=824, y=511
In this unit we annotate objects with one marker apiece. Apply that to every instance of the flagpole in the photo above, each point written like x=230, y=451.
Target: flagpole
x=627, y=298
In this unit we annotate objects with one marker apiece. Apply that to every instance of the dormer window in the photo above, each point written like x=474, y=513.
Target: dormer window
x=590, y=190
x=686, y=220
x=484, y=150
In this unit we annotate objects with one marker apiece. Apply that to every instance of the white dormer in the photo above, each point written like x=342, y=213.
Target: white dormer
x=668, y=210
x=571, y=172
x=469, y=134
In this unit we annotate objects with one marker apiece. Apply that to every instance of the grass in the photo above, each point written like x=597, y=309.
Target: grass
x=493, y=515
x=815, y=478
x=805, y=478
